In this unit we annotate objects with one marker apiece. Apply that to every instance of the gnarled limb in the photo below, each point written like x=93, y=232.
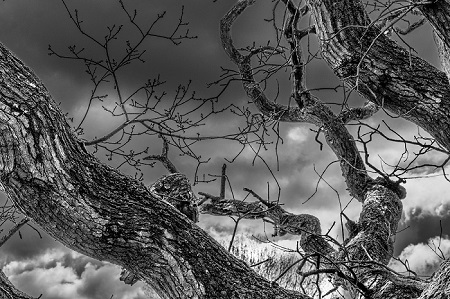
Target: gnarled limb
x=312, y=110
x=438, y=287
x=359, y=113
x=96, y=210
x=385, y=73
x=304, y=225
x=381, y=205
x=437, y=14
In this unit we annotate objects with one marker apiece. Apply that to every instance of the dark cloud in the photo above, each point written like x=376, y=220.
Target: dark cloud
x=48, y=24
x=420, y=227
x=78, y=263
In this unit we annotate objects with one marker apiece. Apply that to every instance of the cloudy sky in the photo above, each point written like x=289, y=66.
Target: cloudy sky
x=43, y=266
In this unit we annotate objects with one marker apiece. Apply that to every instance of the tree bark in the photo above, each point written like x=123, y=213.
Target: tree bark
x=96, y=210
x=386, y=74
x=9, y=291
x=102, y=213
x=383, y=72
x=389, y=77
x=313, y=110
x=438, y=15
x=439, y=288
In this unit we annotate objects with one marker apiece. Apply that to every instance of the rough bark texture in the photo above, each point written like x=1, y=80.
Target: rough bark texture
x=102, y=213
x=313, y=111
x=304, y=225
x=438, y=15
x=439, y=288
x=98, y=211
x=387, y=75
x=8, y=291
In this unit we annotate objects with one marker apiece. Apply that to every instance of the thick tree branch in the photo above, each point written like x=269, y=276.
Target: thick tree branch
x=310, y=110
x=394, y=79
x=9, y=291
x=359, y=113
x=304, y=225
x=438, y=288
x=379, y=69
x=438, y=15
x=150, y=231
x=97, y=211
x=349, y=48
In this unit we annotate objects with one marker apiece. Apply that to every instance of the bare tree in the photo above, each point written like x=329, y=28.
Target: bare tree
x=150, y=230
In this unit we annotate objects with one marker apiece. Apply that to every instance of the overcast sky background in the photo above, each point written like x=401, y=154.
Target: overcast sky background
x=43, y=266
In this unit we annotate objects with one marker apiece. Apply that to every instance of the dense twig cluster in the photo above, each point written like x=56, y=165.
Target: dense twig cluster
x=178, y=118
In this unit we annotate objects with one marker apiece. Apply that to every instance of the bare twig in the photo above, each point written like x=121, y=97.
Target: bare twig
x=13, y=230
x=223, y=181
x=164, y=157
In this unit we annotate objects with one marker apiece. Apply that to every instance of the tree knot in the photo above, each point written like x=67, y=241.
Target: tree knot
x=391, y=185
x=176, y=189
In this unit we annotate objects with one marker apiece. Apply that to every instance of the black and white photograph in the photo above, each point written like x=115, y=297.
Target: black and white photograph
x=235, y=149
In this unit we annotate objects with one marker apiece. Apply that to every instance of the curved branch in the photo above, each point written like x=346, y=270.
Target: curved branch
x=360, y=113
x=437, y=14
x=305, y=225
x=312, y=110
x=383, y=72
x=438, y=287
x=8, y=291
x=382, y=207
x=96, y=210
